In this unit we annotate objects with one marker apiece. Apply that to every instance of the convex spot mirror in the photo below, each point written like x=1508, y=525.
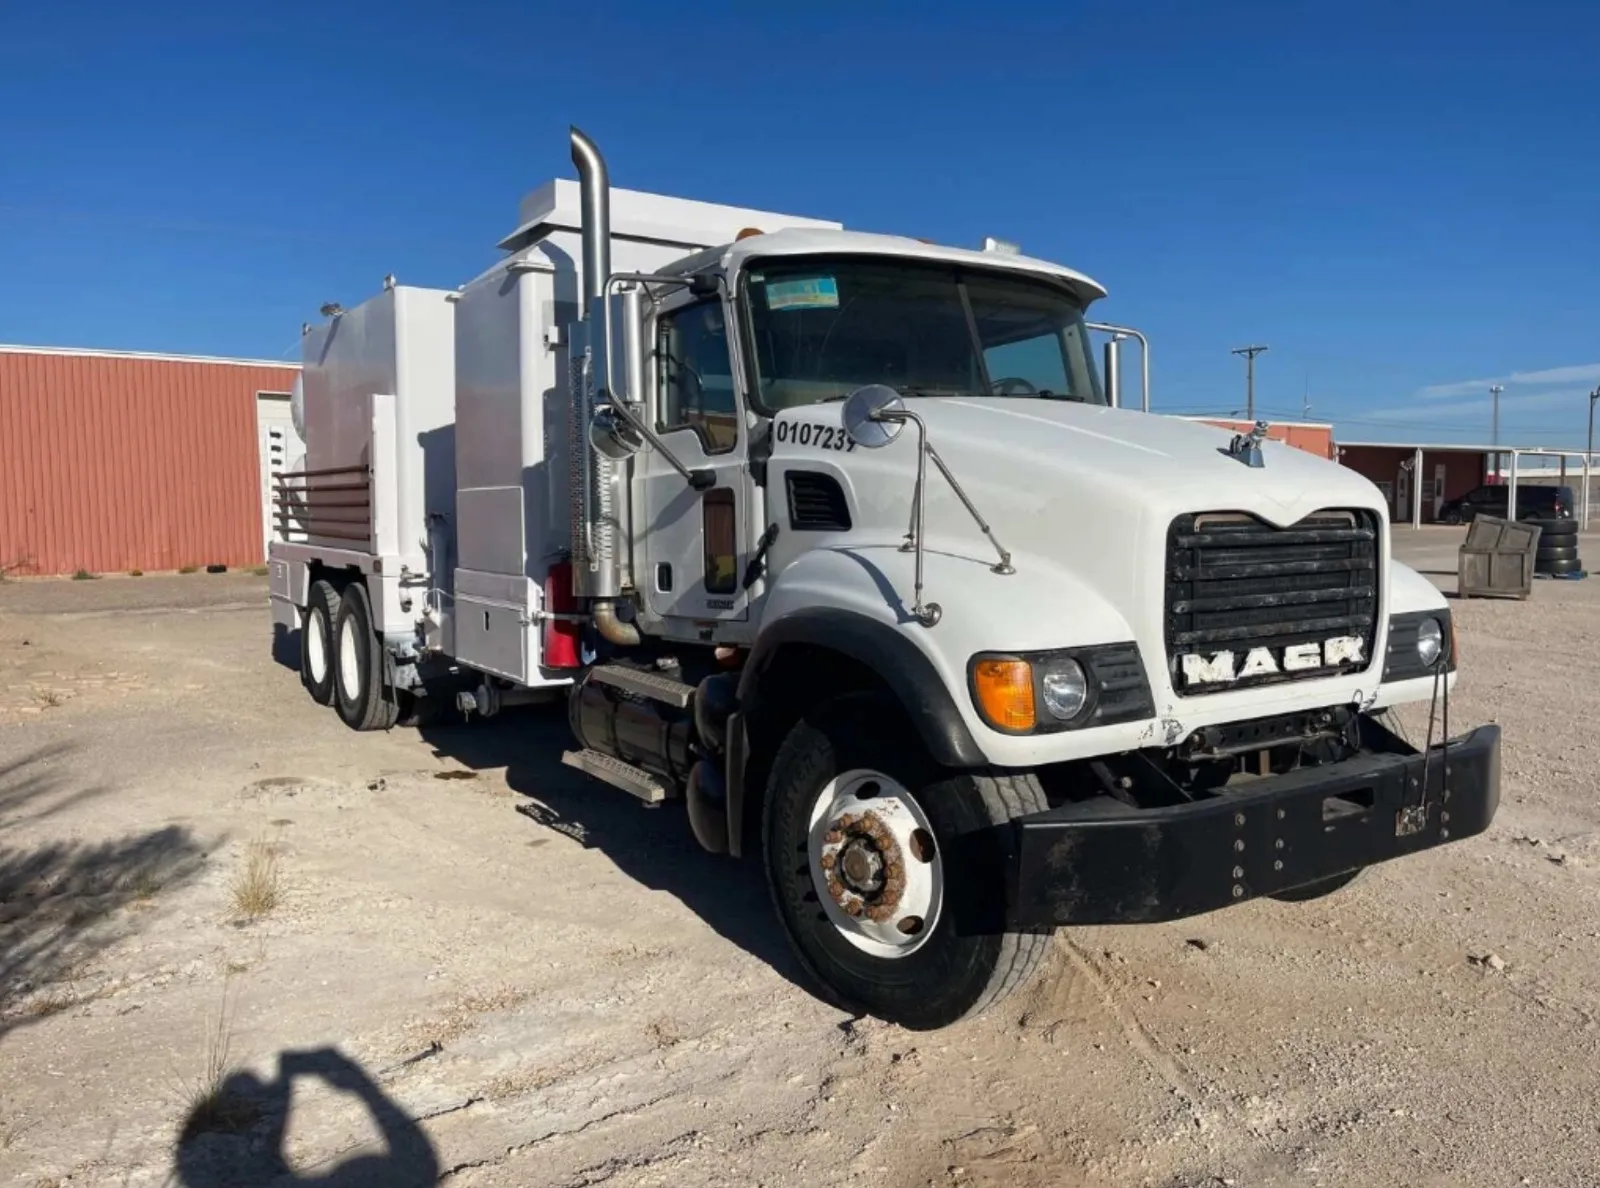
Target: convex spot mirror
x=612, y=437
x=862, y=411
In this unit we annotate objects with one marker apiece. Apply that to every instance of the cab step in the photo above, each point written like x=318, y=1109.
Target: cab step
x=635, y=781
x=644, y=683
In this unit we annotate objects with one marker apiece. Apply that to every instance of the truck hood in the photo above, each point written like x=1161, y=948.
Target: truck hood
x=1137, y=454
x=1066, y=487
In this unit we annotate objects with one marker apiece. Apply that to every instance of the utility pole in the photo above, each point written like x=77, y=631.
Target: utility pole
x=1494, y=429
x=1588, y=457
x=1249, y=353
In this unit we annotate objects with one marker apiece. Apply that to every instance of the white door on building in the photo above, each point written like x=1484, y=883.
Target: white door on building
x=1402, y=495
x=274, y=436
x=1438, y=489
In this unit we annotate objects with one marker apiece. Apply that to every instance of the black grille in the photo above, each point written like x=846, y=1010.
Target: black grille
x=816, y=503
x=1236, y=585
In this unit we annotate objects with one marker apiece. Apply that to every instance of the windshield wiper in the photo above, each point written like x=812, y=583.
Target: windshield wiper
x=910, y=390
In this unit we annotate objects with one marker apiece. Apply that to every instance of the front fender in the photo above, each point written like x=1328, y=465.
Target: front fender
x=1410, y=591
x=1040, y=607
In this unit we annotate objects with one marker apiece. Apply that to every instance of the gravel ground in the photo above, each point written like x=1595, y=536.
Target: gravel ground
x=481, y=969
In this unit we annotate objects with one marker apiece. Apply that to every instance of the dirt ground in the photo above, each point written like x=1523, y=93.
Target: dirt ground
x=482, y=970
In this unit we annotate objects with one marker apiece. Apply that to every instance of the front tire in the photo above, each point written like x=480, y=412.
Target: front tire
x=316, y=642
x=857, y=825
x=361, y=695
x=1321, y=889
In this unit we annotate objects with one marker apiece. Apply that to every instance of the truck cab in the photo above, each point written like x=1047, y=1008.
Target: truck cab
x=844, y=541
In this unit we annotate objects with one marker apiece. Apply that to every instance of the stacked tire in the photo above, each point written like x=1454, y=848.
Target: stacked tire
x=1558, y=548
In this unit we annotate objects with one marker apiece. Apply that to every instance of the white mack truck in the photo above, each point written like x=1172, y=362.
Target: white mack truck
x=841, y=540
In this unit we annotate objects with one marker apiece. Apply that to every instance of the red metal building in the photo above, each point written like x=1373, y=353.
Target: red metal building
x=111, y=461
x=1315, y=437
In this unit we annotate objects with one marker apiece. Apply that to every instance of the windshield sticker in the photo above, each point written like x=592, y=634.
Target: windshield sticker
x=818, y=292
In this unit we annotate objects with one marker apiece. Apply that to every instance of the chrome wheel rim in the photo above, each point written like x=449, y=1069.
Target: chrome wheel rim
x=875, y=864
x=349, y=660
x=317, y=648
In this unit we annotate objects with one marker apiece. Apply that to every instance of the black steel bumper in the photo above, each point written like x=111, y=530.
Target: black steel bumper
x=1103, y=862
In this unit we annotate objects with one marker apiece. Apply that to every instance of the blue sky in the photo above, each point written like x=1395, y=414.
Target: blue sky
x=1402, y=199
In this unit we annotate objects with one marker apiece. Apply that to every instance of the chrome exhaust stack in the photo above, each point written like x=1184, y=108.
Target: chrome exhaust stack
x=599, y=492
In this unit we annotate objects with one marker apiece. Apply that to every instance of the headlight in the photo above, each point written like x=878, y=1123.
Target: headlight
x=1430, y=642
x=1063, y=689
x=1066, y=689
x=1420, y=644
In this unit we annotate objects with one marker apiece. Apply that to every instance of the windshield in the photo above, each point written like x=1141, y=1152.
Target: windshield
x=825, y=327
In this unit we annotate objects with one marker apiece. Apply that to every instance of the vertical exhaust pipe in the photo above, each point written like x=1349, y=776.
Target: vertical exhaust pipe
x=598, y=492
x=594, y=188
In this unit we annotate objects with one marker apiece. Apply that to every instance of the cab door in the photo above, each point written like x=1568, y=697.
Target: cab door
x=692, y=542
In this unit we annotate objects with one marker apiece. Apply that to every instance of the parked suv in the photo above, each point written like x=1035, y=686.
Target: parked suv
x=1533, y=503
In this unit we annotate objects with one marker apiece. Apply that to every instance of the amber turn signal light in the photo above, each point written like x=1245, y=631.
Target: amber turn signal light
x=1003, y=689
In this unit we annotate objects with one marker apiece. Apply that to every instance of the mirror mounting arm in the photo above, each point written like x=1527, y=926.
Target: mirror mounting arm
x=1003, y=566
x=700, y=480
x=873, y=417
x=930, y=614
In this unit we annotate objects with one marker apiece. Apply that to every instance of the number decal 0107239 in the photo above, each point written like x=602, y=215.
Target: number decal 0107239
x=816, y=437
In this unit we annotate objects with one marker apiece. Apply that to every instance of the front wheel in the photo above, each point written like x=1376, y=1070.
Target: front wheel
x=1318, y=890
x=857, y=831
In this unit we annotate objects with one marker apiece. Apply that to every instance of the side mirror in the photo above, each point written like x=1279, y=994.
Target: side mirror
x=1113, y=372
x=704, y=284
x=863, y=421
x=611, y=436
x=622, y=346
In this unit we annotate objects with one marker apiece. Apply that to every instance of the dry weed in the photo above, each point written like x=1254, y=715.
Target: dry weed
x=53, y=1003
x=210, y=1107
x=258, y=884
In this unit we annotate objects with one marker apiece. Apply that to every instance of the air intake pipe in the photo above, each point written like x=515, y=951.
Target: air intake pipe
x=599, y=488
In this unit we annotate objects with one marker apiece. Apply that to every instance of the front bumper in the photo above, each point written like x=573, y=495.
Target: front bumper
x=1103, y=862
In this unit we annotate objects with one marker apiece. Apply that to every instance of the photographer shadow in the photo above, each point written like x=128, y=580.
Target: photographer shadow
x=234, y=1136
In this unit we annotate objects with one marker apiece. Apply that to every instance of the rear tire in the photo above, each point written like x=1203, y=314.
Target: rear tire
x=926, y=974
x=362, y=697
x=1453, y=516
x=1318, y=890
x=316, y=642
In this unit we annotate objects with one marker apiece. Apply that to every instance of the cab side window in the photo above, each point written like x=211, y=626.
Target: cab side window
x=694, y=376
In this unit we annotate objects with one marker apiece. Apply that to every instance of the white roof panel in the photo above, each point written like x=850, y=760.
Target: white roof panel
x=639, y=215
x=797, y=242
